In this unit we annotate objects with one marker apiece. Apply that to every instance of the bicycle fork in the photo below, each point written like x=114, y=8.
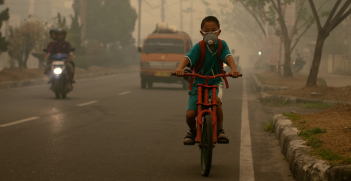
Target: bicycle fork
x=201, y=112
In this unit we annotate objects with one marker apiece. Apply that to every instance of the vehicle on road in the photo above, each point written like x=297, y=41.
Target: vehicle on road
x=58, y=76
x=299, y=63
x=206, y=120
x=161, y=53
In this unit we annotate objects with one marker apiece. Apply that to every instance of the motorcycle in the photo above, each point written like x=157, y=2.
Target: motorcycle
x=58, y=75
x=298, y=64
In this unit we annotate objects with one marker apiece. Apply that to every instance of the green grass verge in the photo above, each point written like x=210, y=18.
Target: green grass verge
x=310, y=135
x=292, y=116
x=269, y=127
x=332, y=157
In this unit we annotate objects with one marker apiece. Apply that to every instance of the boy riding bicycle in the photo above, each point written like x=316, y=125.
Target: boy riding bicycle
x=207, y=58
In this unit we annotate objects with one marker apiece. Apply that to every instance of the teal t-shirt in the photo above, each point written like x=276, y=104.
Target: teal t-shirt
x=211, y=62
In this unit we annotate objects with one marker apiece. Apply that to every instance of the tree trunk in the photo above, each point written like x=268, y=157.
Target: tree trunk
x=312, y=78
x=287, y=60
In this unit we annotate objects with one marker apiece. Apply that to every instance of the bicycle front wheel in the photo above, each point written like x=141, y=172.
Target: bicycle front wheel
x=206, y=145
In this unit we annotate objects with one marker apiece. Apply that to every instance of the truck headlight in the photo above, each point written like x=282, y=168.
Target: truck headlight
x=57, y=71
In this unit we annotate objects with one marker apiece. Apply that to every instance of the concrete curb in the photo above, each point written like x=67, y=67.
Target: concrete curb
x=32, y=82
x=259, y=87
x=302, y=165
x=291, y=99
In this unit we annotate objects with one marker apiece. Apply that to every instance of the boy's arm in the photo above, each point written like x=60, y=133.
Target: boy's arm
x=183, y=63
x=231, y=63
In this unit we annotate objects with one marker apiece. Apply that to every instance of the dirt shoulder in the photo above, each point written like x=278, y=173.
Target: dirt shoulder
x=333, y=140
x=297, y=85
x=342, y=94
x=17, y=74
x=295, y=82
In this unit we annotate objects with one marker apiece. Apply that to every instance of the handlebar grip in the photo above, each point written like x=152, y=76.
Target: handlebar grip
x=173, y=74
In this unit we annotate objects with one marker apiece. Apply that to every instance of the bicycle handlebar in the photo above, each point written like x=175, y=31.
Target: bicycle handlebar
x=206, y=76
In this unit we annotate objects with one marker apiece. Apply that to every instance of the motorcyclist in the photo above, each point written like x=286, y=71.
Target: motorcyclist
x=64, y=47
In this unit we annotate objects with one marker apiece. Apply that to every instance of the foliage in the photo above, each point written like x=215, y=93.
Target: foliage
x=110, y=24
x=308, y=133
x=27, y=37
x=4, y=16
x=274, y=16
x=335, y=17
x=269, y=127
x=60, y=21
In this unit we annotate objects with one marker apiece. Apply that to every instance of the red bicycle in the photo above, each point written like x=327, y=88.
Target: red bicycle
x=206, y=120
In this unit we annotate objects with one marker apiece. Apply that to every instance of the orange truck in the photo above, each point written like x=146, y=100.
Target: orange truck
x=161, y=54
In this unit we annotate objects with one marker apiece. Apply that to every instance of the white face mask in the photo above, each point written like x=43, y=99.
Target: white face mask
x=210, y=38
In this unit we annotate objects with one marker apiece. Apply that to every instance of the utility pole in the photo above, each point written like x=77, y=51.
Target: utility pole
x=83, y=19
x=6, y=38
x=163, y=10
x=139, y=22
x=191, y=18
x=181, y=15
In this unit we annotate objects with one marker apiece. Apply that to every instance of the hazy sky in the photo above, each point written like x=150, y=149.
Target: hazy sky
x=151, y=15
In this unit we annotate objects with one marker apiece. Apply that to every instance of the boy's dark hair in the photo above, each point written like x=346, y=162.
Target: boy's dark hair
x=209, y=19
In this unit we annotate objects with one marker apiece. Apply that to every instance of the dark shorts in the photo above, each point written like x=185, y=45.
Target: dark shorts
x=193, y=98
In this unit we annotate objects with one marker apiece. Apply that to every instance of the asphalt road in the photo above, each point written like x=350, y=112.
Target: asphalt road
x=110, y=129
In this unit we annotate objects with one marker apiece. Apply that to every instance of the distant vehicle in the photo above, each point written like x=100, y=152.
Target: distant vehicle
x=161, y=54
x=227, y=69
x=299, y=63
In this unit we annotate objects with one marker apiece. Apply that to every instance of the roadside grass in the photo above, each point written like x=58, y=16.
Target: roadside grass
x=269, y=127
x=312, y=140
x=292, y=116
x=332, y=157
x=302, y=105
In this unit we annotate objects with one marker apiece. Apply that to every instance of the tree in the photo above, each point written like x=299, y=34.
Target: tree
x=110, y=24
x=275, y=17
x=336, y=16
x=256, y=10
x=110, y=21
x=4, y=16
x=23, y=40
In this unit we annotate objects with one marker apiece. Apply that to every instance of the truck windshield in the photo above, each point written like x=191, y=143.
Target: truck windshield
x=166, y=46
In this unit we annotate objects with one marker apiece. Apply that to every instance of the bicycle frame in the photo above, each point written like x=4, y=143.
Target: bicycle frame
x=204, y=107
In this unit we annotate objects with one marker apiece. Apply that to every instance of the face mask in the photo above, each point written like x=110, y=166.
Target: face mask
x=210, y=38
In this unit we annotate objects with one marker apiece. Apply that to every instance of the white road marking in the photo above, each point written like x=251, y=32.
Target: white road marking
x=87, y=103
x=20, y=121
x=127, y=92
x=246, y=163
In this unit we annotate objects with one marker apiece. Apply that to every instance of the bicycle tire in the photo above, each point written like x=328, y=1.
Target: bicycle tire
x=206, y=145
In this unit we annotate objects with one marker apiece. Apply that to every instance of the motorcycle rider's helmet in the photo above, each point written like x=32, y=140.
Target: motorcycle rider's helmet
x=52, y=30
x=61, y=31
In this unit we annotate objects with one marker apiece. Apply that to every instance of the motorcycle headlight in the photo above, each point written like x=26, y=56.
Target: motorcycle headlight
x=57, y=71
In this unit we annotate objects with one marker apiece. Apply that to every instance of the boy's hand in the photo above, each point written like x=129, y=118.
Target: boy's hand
x=179, y=72
x=234, y=74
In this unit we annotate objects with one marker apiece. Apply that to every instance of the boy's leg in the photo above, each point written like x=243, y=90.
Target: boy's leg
x=191, y=114
x=221, y=137
x=190, y=119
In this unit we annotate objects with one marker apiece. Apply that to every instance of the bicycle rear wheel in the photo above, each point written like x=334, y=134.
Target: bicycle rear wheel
x=206, y=145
